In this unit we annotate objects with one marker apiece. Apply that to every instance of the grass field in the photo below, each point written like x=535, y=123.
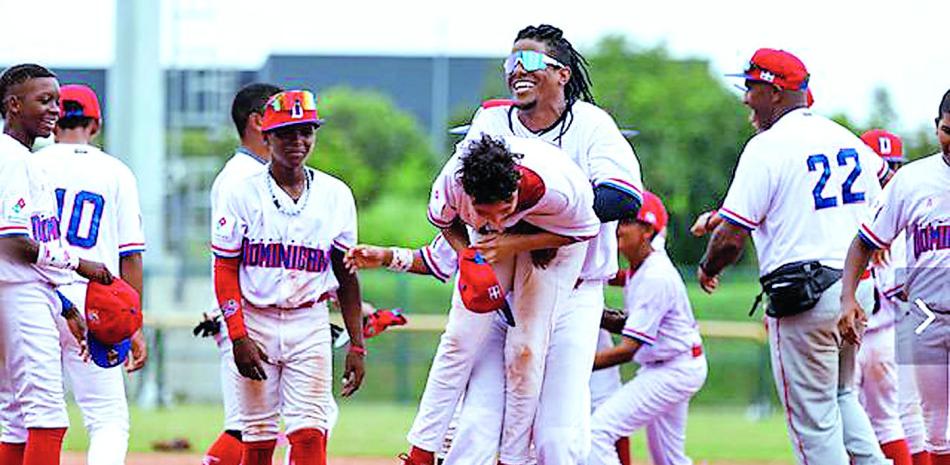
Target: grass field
x=378, y=430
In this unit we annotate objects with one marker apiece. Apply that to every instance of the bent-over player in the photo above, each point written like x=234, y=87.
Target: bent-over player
x=661, y=335
x=917, y=202
x=278, y=255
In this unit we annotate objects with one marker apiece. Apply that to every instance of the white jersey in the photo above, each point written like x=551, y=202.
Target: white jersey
x=285, y=259
x=28, y=209
x=917, y=201
x=440, y=258
x=888, y=283
x=97, y=200
x=242, y=164
x=802, y=187
x=591, y=139
x=658, y=311
x=553, y=194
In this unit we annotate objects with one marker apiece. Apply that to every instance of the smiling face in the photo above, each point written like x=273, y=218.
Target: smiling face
x=761, y=98
x=543, y=85
x=35, y=105
x=290, y=145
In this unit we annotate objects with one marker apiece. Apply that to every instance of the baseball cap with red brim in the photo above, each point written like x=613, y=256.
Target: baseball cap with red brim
x=289, y=108
x=887, y=145
x=82, y=95
x=113, y=315
x=479, y=287
x=653, y=212
x=776, y=67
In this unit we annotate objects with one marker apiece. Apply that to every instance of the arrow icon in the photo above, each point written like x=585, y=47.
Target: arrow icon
x=930, y=316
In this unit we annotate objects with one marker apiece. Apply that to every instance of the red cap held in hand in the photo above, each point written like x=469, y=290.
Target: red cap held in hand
x=478, y=285
x=113, y=312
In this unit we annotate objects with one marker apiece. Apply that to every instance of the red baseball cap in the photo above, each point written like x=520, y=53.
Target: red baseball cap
x=653, y=212
x=113, y=312
x=82, y=95
x=481, y=292
x=809, y=98
x=887, y=145
x=776, y=67
x=290, y=107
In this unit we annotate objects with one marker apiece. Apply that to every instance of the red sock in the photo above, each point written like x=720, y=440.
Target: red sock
x=259, y=452
x=940, y=459
x=418, y=456
x=11, y=453
x=922, y=458
x=308, y=447
x=897, y=451
x=43, y=446
x=226, y=450
x=623, y=451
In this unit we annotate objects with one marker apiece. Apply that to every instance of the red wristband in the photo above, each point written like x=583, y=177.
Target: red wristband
x=358, y=350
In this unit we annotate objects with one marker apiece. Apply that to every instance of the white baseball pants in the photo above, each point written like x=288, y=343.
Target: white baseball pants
x=877, y=385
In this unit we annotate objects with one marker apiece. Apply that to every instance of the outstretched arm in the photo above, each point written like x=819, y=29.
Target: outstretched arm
x=621, y=353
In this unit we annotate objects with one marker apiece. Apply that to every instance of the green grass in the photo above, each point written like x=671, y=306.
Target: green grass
x=379, y=429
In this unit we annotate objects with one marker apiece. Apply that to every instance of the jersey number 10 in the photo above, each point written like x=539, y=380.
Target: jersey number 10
x=82, y=199
x=847, y=196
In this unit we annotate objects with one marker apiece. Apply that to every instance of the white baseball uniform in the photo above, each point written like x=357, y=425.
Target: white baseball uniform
x=917, y=201
x=591, y=139
x=100, y=219
x=240, y=166
x=800, y=187
x=285, y=276
x=31, y=378
x=555, y=196
x=672, y=368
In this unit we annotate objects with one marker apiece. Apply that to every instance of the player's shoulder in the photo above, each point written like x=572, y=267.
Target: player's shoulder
x=918, y=170
x=329, y=183
x=588, y=111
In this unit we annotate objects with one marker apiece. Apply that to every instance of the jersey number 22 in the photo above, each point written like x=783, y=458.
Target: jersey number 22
x=80, y=203
x=847, y=196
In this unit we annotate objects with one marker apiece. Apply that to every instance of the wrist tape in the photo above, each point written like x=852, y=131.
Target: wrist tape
x=402, y=259
x=56, y=257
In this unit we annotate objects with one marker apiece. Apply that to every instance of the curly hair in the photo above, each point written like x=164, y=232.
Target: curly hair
x=579, y=87
x=489, y=172
x=19, y=74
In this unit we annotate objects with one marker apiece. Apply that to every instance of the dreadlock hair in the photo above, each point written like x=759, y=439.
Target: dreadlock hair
x=250, y=99
x=19, y=74
x=489, y=173
x=73, y=119
x=944, y=106
x=579, y=87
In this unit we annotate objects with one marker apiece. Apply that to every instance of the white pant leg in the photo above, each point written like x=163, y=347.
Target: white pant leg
x=99, y=393
x=876, y=383
x=562, y=430
x=478, y=433
x=648, y=396
x=932, y=371
x=459, y=347
x=603, y=383
x=908, y=398
x=229, y=384
x=33, y=356
x=259, y=401
x=11, y=419
x=666, y=436
x=306, y=377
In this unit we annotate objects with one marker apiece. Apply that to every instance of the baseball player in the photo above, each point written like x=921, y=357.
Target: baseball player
x=661, y=334
x=894, y=410
x=100, y=219
x=548, y=80
x=278, y=255
x=917, y=202
x=491, y=190
x=802, y=181
x=34, y=259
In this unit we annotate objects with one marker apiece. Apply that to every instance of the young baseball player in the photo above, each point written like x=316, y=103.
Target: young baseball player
x=100, y=219
x=34, y=259
x=662, y=336
x=492, y=185
x=917, y=202
x=278, y=253
x=548, y=80
x=890, y=408
x=801, y=183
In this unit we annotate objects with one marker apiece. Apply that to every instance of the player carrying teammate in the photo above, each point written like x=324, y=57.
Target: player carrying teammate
x=917, y=202
x=661, y=334
x=548, y=79
x=801, y=184
x=33, y=261
x=101, y=220
x=278, y=253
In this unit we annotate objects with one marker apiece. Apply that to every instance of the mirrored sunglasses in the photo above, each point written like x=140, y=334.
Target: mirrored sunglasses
x=530, y=60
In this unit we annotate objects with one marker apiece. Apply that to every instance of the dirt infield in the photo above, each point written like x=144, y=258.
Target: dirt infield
x=72, y=458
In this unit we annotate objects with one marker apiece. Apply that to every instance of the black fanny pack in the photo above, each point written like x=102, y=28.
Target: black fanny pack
x=795, y=287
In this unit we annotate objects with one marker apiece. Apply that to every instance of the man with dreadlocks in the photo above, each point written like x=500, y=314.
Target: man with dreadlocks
x=552, y=101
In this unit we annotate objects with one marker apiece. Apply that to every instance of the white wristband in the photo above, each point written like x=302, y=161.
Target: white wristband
x=56, y=257
x=402, y=259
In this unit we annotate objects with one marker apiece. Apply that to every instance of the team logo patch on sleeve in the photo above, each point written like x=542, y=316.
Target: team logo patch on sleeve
x=230, y=308
x=14, y=210
x=224, y=227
